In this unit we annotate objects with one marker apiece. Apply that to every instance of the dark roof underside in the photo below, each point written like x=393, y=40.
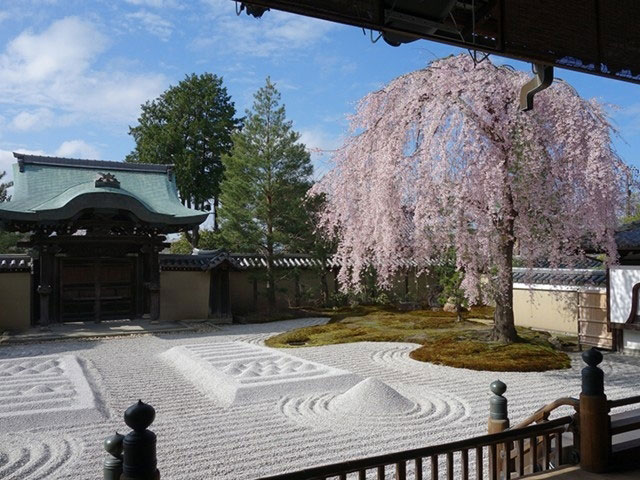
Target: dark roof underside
x=628, y=237
x=598, y=37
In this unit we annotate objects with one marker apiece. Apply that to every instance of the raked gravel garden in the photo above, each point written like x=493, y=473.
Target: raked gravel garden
x=228, y=407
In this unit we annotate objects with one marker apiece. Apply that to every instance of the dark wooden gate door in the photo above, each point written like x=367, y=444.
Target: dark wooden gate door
x=219, y=305
x=98, y=289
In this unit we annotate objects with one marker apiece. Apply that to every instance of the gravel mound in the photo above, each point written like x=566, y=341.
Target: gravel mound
x=372, y=397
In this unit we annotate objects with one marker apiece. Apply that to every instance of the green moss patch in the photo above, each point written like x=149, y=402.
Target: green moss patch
x=373, y=324
x=444, y=341
x=491, y=356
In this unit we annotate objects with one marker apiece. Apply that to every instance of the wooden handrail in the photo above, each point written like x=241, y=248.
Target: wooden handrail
x=512, y=435
x=621, y=402
x=542, y=414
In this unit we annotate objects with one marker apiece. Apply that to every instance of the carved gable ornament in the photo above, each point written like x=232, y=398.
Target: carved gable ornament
x=107, y=180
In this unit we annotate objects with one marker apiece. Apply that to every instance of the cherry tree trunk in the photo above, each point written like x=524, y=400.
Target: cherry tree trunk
x=325, y=287
x=504, y=329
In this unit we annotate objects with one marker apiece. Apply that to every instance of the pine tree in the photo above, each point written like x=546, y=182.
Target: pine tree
x=267, y=175
x=8, y=240
x=4, y=188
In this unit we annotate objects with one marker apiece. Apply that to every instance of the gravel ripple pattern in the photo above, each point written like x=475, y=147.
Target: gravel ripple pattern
x=198, y=438
x=427, y=408
x=31, y=456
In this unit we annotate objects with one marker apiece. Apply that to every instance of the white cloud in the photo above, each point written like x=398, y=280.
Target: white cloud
x=321, y=144
x=56, y=70
x=32, y=120
x=317, y=138
x=69, y=148
x=153, y=23
x=154, y=3
x=6, y=162
x=65, y=48
x=218, y=7
x=276, y=33
x=629, y=117
x=77, y=149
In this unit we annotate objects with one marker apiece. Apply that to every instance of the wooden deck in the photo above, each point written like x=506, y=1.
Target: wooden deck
x=575, y=473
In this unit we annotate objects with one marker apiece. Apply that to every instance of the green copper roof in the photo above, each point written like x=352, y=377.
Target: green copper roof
x=57, y=189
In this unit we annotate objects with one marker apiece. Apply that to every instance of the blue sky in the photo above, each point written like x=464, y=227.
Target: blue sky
x=73, y=73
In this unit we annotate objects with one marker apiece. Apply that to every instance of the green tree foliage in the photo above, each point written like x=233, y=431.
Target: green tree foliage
x=450, y=281
x=319, y=246
x=632, y=196
x=8, y=240
x=189, y=125
x=267, y=176
x=4, y=188
x=180, y=246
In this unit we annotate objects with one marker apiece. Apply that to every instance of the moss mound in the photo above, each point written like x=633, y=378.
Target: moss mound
x=496, y=357
x=371, y=324
x=463, y=344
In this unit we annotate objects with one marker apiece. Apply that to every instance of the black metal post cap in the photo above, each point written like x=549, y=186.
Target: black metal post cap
x=139, y=416
x=113, y=444
x=498, y=387
x=592, y=357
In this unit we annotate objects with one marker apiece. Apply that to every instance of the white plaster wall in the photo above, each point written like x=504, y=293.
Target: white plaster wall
x=621, y=281
x=631, y=341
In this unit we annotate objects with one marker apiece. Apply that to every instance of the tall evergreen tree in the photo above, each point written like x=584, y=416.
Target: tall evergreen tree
x=4, y=188
x=8, y=240
x=267, y=175
x=190, y=126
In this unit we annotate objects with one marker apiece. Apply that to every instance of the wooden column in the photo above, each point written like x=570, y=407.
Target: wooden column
x=214, y=293
x=225, y=297
x=255, y=294
x=45, y=287
x=139, y=285
x=97, y=291
x=595, y=435
x=298, y=291
x=154, y=283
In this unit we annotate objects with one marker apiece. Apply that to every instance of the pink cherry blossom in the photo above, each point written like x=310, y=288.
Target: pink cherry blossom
x=443, y=157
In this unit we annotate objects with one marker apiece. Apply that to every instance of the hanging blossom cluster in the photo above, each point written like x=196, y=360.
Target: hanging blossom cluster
x=443, y=157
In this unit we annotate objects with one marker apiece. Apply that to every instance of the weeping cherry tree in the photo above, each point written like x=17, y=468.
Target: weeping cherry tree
x=443, y=158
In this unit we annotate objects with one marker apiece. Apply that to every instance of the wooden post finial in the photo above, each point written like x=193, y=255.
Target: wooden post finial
x=112, y=466
x=498, y=415
x=595, y=438
x=139, y=445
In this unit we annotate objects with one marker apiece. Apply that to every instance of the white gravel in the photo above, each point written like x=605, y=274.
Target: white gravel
x=200, y=438
x=240, y=372
x=45, y=390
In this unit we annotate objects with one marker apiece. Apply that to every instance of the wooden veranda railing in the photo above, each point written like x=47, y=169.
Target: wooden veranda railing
x=536, y=444
x=473, y=458
x=623, y=425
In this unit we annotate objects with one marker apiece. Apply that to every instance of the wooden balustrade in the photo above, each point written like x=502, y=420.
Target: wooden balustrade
x=623, y=402
x=542, y=414
x=453, y=460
